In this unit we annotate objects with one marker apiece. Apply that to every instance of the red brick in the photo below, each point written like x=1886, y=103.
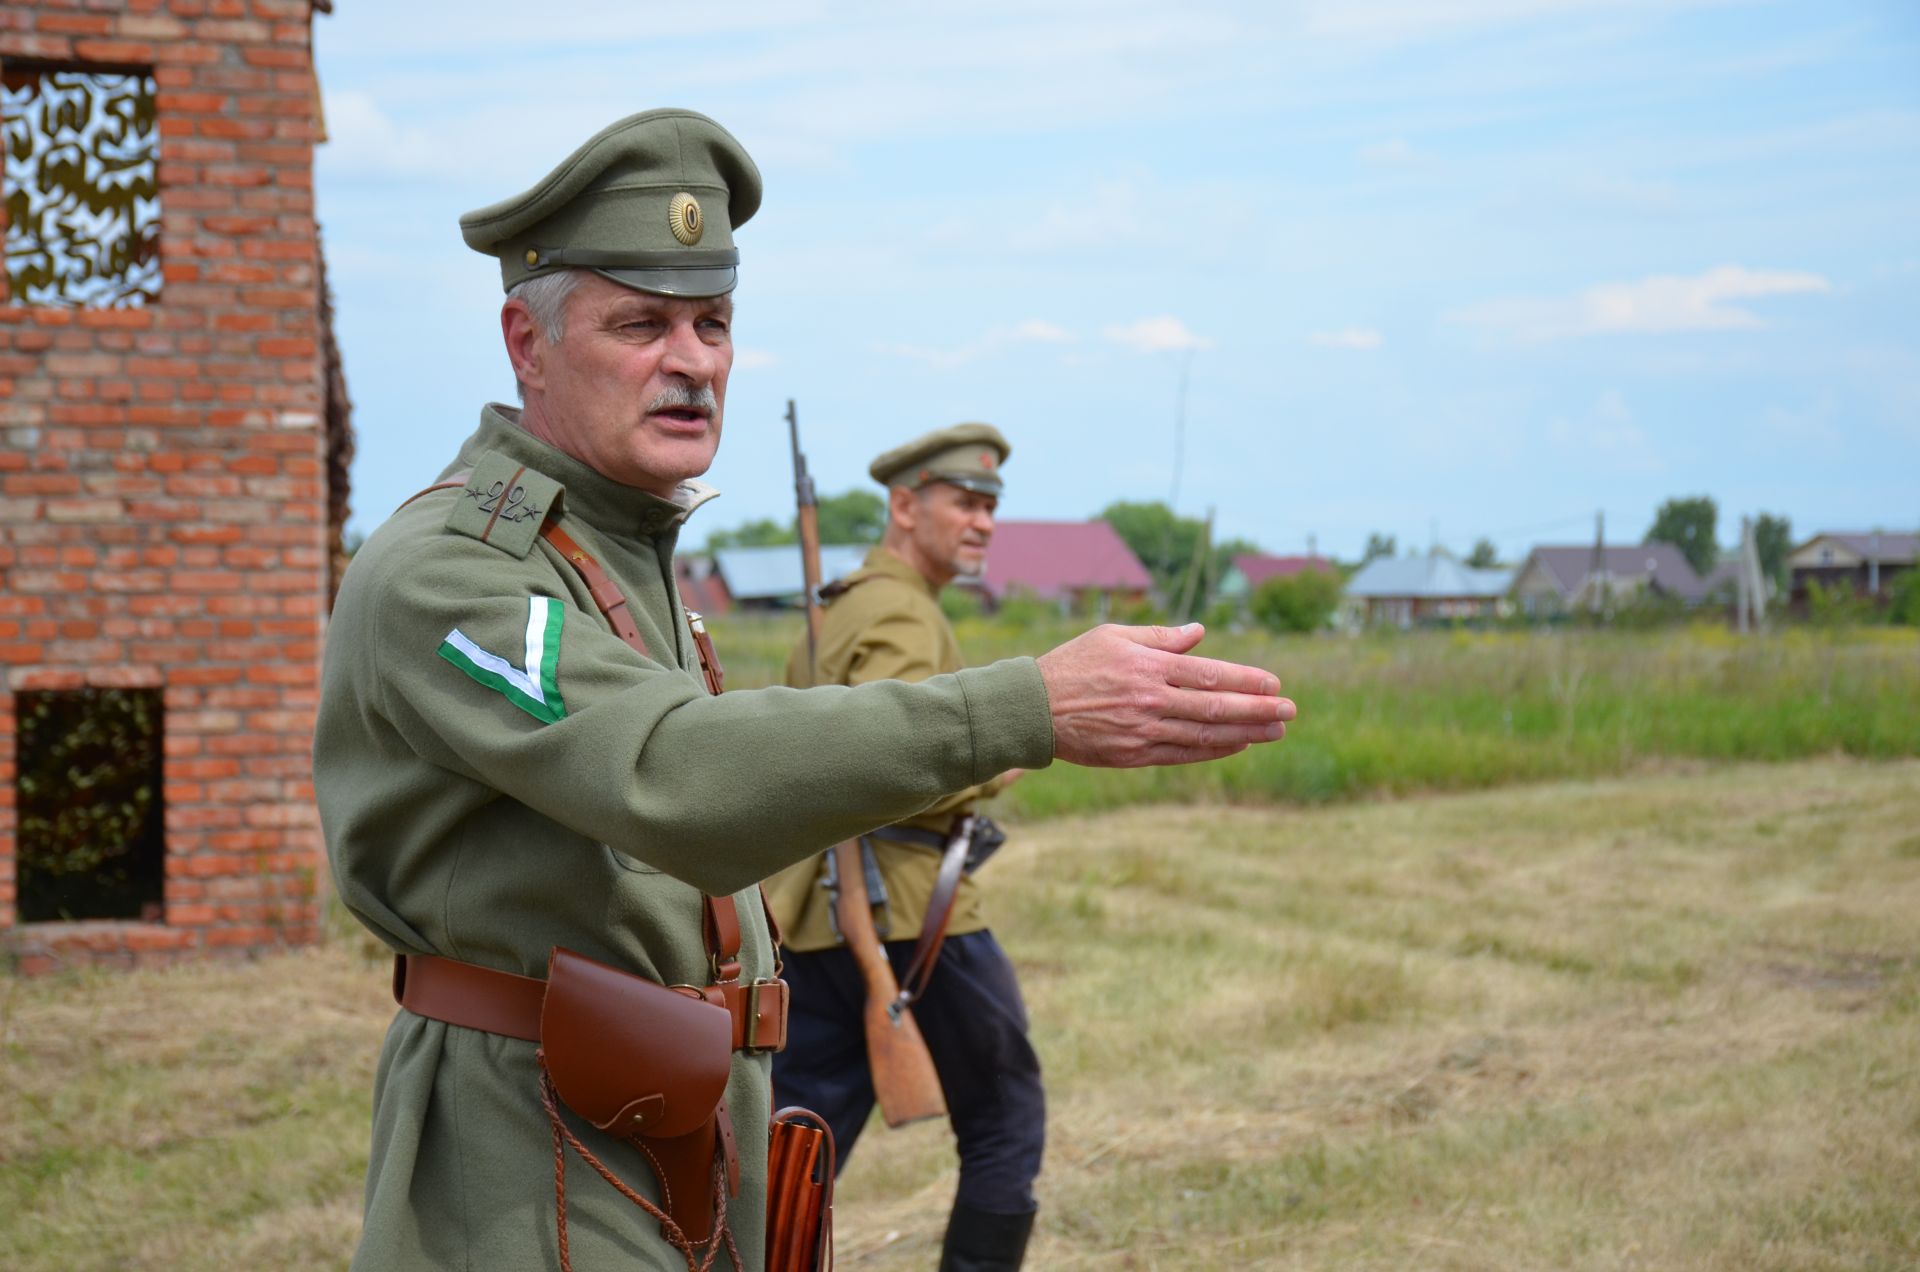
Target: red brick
x=74, y=24
x=253, y=129
x=182, y=103
x=118, y=51
x=289, y=58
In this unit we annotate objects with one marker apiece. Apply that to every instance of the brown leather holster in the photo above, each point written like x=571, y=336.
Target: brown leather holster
x=649, y=1065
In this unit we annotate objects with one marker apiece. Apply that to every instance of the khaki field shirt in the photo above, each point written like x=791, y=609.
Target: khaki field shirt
x=887, y=625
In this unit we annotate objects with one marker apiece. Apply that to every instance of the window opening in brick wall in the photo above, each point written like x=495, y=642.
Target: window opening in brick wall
x=90, y=839
x=82, y=186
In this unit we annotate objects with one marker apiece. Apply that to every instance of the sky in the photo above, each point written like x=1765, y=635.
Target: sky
x=1437, y=269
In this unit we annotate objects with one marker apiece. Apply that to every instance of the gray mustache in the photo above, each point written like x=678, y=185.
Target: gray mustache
x=680, y=395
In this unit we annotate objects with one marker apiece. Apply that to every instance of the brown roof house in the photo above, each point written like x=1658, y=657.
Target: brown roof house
x=1866, y=562
x=1082, y=566
x=1557, y=580
x=173, y=448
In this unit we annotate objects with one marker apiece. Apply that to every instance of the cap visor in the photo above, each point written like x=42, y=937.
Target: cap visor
x=707, y=281
x=978, y=485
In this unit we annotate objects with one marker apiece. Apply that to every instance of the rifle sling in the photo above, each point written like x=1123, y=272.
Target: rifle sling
x=933, y=928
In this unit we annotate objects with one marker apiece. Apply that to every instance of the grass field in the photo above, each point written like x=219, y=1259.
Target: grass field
x=1666, y=1021
x=1437, y=711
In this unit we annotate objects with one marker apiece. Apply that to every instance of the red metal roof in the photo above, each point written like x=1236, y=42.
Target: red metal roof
x=1051, y=558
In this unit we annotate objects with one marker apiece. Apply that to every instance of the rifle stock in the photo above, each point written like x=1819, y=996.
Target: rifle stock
x=905, y=1084
x=904, y=1081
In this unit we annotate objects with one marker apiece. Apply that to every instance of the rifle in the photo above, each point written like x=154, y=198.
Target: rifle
x=904, y=1081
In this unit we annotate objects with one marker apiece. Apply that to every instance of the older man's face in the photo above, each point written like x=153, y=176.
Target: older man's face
x=635, y=387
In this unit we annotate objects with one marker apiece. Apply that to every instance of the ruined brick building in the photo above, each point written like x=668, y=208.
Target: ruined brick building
x=173, y=442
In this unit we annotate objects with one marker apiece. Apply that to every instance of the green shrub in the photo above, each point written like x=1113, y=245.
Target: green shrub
x=1302, y=602
x=1906, y=599
x=961, y=602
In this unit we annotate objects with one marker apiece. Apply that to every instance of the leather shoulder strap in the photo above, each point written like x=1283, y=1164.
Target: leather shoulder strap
x=606, y=594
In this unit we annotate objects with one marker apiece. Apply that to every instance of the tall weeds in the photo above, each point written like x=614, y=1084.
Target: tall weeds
x=1382, y=715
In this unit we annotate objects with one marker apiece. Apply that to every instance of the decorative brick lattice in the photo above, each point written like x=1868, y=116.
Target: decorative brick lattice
x=82, y=187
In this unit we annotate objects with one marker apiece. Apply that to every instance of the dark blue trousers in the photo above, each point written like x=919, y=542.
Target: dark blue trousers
x=975, y=1025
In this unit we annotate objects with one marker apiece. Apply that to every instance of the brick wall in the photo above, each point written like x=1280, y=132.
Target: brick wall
x=163, y=489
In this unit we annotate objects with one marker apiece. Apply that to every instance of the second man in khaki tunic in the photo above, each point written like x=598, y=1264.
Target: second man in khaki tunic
x=884, y=622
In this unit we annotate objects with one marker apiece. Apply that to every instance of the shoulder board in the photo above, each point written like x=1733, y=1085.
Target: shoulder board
x=503, y=504
x=831, y=592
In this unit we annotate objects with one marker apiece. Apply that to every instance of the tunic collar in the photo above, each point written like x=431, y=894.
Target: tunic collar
x=595, y=498
x=882, y=561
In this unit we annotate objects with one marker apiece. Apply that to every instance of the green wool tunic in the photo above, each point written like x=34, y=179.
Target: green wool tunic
x=499, y=774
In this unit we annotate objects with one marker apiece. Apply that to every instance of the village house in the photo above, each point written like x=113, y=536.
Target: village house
x=1863, y=562
x=1248, y=571
x=1082, y=567
x=173, y=447
x=769, y=578
x=1434, y=588
x=1560, y=580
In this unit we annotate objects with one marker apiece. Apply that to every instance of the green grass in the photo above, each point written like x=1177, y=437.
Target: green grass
x=1433, y=711
x=1655, y=1022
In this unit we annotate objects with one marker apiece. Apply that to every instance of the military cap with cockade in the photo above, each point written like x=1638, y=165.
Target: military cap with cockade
x=964, y=455
x=650, y=202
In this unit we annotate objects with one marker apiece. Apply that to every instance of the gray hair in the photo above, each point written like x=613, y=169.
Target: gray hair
x=545, y=296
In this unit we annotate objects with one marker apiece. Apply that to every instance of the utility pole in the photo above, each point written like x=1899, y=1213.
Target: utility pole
x=1201, y=551
x=1597, y=567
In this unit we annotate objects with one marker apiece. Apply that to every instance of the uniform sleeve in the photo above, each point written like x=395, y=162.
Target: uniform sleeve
x=486, y=669
x=894, y=643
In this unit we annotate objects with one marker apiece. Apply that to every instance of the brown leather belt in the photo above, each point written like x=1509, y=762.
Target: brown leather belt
x=476, y=997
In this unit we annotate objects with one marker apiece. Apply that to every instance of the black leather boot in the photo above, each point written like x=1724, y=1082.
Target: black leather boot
x=981, y=1241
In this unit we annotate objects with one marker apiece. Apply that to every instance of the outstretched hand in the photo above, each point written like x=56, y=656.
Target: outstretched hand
x=1129, y=697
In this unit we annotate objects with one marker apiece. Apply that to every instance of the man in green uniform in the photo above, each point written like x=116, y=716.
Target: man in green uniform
x=517, y=751
x=884, y=622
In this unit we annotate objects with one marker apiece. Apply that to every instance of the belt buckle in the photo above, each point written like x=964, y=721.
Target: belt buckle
x=750, y=1004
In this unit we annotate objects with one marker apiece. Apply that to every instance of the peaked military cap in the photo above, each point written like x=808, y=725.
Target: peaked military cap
x=650, y=201
x=964, y=455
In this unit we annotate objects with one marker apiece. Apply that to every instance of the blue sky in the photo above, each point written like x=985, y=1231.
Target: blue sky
x=1452, y=268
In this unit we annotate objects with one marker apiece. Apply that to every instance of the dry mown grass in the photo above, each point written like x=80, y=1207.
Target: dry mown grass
x=1660, y=1023
x=1665, y=1022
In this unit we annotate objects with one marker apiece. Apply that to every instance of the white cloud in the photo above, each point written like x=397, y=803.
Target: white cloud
x=1157, y=335
x=753, y=359
x=1041, y=332
x=1348, y=338
x=1661, y=304
x=1027, y=331
x=363, y=138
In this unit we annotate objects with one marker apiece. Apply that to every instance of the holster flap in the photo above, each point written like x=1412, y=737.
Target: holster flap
x=631, y=1056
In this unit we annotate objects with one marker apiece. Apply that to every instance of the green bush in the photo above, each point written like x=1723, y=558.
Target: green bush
x=1302, y=602
x=1906, y=599
x=1837, y=606
x=1023, y=610
x=961, y=602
